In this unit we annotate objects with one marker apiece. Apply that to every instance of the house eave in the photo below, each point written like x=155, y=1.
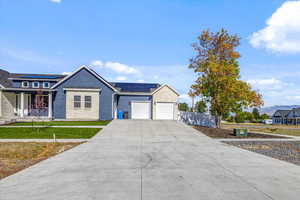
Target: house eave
x=27, y=89
x=135, y=93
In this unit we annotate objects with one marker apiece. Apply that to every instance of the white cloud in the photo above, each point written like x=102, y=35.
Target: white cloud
x=297, y=97
x=184, y=97
x=66, y=73
x=156, y=77
x=116, y=67
x=141, y=81
x=271, y=83
x=121, y=78
x=56, y=1
x=282, y=33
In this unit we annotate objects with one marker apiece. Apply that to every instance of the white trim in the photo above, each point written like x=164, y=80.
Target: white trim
x=83, y=89
x=26, y=89
x=163, y=87
x=134, y=93
x=25, y=82
x=89, y=70
x=140, y=101
x=48, y=84
x=36, y=86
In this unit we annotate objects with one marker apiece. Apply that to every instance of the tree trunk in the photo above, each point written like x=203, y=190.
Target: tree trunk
x=218, y=121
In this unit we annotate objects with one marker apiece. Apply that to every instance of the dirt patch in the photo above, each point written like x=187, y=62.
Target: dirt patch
x=15, y=156
x=286, y=151
x=226, y=133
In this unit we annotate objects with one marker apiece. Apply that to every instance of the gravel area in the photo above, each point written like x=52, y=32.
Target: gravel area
x=286, y=151
x=226, y=133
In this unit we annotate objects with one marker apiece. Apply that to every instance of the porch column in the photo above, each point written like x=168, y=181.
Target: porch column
x=50, y=105
x=22, y=105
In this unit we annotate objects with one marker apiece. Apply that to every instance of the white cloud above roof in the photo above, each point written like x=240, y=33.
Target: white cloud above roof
x=56, y=1
x=269, y=83
x=66, y=73
x=282, y=31
x=121, y=78
x=116, y=67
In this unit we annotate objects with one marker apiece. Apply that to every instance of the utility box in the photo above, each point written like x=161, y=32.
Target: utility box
x=240, y=132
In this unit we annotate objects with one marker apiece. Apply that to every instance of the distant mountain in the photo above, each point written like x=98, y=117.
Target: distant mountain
x=271, y=109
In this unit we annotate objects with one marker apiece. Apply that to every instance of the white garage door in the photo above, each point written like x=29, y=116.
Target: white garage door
x=140, y=110
x=165, y=111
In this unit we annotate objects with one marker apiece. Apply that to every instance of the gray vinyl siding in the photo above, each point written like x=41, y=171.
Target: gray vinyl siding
x=124, y=102
x=84, y=79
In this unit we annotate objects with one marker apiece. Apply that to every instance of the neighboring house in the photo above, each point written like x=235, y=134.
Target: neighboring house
x=82, y=95
x=280, y=117
x=290, y=117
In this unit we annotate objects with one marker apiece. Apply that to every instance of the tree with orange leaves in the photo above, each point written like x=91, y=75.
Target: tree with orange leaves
x=218, y=71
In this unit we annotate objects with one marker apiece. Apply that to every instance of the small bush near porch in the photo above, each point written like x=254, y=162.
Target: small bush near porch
x=62, y=123
x=47, y=133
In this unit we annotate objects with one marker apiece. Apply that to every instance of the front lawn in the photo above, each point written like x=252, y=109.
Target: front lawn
x=47, y=133
x=15, y=156
x=62, y=123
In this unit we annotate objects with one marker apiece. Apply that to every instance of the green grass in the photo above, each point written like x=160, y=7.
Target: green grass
x=291, y=132
x=47, y=133
x=62, y=123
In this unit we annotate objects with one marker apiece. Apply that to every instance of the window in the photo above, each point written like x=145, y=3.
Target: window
x=25, y=84
x=77, y=101
x=87, y=101
x=35, y=84
x=46, y=85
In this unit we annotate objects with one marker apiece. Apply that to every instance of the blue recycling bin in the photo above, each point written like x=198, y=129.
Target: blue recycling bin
x=120, y=115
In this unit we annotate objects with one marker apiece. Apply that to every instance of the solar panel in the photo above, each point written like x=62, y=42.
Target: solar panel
x=136, y=87
x=41, y=77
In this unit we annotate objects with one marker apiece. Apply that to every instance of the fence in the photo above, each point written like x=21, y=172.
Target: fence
x=199, y=119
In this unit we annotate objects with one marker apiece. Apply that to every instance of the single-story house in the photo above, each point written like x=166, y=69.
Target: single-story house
x=289, y=117
x=82, y=95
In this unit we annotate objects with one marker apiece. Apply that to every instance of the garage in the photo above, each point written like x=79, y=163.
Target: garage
x=141, y=110
x=165, y=111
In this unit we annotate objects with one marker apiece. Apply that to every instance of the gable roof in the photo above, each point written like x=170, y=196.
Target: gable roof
x=136, y=87
x=282, y=113
x=89, y=70
x=4, y=81
x=165, y=85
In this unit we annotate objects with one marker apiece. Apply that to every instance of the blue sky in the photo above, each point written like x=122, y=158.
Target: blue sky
x=150, y=41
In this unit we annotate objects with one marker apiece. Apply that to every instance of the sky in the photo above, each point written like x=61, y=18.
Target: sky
x=150, y=40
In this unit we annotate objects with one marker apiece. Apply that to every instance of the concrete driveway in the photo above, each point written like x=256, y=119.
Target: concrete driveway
x=155, y=160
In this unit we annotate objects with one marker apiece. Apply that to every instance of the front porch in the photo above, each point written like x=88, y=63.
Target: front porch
x=26, y=105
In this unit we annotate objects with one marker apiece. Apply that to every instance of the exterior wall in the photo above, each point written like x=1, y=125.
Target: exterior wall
x=124, y=102
x=82, y=112
x=84, y=79
x=8, y=102
x=165, y=94
x=277, y=120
